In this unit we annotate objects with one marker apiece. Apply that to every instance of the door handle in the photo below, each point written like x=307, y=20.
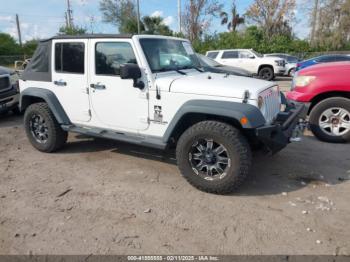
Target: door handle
x=98, y=86
x=60, y=83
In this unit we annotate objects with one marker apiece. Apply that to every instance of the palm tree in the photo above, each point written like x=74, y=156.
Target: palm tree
x=235, y=21
x=154, y=25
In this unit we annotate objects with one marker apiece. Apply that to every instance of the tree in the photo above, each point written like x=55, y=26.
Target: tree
x=235, y=19
x=331, y=24
x=121, y=13
x=68, y=30
x=273, y=16
x=30, y=46
x=197, y=17
x=155, y=25
x=8, y=45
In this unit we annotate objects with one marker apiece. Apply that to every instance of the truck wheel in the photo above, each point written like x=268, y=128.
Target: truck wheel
x=266, y=73
x=330, y=120
x=213, y=157
x=291, y=72
x=42, y=128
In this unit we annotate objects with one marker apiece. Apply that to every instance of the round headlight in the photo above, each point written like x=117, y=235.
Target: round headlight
x=260, y=102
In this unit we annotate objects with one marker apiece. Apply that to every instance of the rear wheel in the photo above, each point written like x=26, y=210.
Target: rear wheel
x=330, y=120
x=213, y=157
x=266, y=73
x=42, y=128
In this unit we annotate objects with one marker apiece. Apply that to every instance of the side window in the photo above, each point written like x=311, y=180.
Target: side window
x=212, y=55
x=244, y=54
x=325, y=59
x=69, y=58
x=109, y=56
x=230, y=54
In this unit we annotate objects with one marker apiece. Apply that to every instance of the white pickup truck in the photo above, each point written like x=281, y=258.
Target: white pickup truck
x=265, y=67
x=150, y=91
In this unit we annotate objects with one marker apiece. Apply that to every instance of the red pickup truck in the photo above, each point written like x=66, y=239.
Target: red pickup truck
x=325, y=90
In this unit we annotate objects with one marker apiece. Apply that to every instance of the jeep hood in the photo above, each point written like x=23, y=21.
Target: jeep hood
x=212, y=84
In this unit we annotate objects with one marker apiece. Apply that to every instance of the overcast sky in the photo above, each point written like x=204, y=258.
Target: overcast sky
x=41, y=19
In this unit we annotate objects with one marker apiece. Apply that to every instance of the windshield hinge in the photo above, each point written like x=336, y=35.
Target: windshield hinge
x=246, y=96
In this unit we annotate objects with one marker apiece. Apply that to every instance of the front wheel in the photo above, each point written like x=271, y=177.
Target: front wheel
x=291, y=72
x=330, y=120
x=213, y=157
x=266, y=73
x=42, y=128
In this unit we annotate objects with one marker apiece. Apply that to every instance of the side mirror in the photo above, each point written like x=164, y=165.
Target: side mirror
x=252, y=57
x=132, y=71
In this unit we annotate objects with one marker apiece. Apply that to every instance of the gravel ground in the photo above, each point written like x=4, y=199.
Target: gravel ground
x=102, y=197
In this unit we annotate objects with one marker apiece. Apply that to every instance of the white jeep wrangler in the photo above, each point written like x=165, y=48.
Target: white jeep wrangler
x=148, y=90
x=264, y=67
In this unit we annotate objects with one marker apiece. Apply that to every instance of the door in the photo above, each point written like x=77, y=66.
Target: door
x=229, y=58
x=115, y=102
x=247, y=61
x=69, y=77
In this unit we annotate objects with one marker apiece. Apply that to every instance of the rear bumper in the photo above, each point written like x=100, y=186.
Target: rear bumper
x=277, y=135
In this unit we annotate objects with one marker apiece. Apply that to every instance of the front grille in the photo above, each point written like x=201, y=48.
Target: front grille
x=272, y=103
x=4, y=83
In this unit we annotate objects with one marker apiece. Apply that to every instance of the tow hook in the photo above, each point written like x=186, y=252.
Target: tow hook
x=298, y=131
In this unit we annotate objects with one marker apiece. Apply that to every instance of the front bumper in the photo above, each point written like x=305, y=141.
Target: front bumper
x=278, y=134
x=279, y=70
x=9, y=100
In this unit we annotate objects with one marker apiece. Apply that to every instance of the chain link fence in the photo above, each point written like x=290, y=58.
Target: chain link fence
x=10, y=60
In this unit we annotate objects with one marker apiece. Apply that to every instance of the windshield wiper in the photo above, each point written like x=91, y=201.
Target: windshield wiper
x=194, y=67
x=171, y=69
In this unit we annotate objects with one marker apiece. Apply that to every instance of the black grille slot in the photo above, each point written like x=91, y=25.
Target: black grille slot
x=4, y=83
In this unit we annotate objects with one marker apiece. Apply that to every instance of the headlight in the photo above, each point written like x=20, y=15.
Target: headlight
x=302, y=81
x=279, y=63
x=260, y=102
x=14, y=81
x=13, y=78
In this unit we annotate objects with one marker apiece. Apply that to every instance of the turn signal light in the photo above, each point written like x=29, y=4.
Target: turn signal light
x=244, y=121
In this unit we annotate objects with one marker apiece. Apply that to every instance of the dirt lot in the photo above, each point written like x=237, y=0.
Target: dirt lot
x=129, y=200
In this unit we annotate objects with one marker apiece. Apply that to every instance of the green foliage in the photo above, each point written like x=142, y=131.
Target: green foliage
x=8, y=45
x=121, y=13
x=30, y=46
x=253, y=37
x=68, y=30
x=154, y=25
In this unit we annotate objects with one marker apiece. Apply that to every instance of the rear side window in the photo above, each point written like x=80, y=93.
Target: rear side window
x=109, y=56
x=212, y=55
x=230, y=54
x=69, y=58
x=325, y=59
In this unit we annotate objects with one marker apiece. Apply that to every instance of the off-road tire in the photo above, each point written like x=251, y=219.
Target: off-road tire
x=57, y=137
x=266, y=73
x=315, y=115
x=237, y=147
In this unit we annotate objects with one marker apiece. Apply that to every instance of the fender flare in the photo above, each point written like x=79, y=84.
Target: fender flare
x=228, y=109
x=49, y=97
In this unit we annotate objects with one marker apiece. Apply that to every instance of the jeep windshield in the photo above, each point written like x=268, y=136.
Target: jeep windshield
x=169, y=54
